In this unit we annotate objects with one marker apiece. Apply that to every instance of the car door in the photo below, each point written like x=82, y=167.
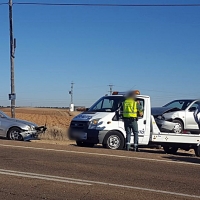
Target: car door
x=141, y=123
x=191, y=123
x=3, y=126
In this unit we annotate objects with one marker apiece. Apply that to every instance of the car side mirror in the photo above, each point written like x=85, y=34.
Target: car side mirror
x=86, y=109
x=192, y=109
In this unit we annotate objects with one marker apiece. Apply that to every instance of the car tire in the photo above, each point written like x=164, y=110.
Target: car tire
x=14, y=134
x=84, y=144
x=180, y=128
x=197, y=151
x=170, y=150
x=113, y=140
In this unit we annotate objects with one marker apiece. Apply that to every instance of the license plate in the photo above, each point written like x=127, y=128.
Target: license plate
x=81, y=135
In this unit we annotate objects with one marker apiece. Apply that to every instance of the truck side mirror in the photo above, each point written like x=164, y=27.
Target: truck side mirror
x=118, y=114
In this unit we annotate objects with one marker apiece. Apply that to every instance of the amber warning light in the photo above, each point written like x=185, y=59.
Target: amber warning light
x=136, y=92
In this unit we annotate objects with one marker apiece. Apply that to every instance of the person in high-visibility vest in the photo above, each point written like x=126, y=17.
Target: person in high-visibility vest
x=131, y=110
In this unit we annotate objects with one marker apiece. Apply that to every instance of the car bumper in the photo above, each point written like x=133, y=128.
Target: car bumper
x=32, y=135
x=165, y=125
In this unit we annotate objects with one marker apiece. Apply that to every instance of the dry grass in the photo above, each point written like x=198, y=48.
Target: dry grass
x=56, y=120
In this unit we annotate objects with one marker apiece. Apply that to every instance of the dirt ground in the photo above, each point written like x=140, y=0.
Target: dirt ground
x=56, y=120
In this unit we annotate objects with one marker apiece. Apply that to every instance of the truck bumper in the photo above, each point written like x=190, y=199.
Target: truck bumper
x=89, y=136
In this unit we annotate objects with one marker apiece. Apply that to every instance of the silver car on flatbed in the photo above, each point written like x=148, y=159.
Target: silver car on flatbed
x=182, y=112
x=16, y=129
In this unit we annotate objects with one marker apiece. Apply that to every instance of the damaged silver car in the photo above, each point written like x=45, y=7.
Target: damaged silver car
x=162, y=123
x=178, y=114
x=16, y=129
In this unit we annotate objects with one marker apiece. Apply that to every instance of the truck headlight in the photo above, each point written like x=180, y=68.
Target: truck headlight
x=94, y=123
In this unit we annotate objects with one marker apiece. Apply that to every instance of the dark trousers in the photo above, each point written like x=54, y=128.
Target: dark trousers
x=131, y=125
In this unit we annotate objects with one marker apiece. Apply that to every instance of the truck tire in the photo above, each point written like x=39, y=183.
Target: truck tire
x=113, y=140
x=84, y=144
x=180, y=126
x=170, y=150
x=14, y=134
x=197, y=151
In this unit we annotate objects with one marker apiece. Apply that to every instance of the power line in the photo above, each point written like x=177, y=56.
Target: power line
x=3, y=4
x=107, y=5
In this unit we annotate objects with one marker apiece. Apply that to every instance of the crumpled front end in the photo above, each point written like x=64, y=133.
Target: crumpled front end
x=164, y=118
x=33, y=135
x=166, y=126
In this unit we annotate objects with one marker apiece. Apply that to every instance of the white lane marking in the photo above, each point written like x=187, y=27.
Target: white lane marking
x=87, y=182
x=101, y=154
x=41, y=177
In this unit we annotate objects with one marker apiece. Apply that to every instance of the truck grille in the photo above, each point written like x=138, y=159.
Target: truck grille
x=79, y=125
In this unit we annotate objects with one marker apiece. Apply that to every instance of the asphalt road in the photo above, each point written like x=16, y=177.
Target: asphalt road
x=42, y=171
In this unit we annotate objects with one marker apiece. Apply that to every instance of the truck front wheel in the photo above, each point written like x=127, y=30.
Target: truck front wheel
x=170, y=150
x=113, y=140
x=197, y=151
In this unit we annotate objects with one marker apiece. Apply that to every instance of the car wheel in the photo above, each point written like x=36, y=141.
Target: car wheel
x=84, y=144
x=179, y=128
x=114, y=140
x=170, y=150
x=197, y=151
x=14, y=134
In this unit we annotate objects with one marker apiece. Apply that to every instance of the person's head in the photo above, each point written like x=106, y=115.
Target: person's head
x=131, y=95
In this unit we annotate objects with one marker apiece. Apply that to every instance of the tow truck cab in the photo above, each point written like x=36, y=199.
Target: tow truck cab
x=102, y=123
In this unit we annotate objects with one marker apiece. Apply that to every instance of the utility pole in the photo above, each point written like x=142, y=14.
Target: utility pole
x=111, y=87
x=71, y=92
x=12, y=96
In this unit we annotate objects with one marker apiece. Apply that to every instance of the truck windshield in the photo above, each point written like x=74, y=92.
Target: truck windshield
x=107, y=104
x=180, y=104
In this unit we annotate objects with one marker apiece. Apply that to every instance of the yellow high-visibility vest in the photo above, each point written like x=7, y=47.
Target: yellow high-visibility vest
x=130, y=108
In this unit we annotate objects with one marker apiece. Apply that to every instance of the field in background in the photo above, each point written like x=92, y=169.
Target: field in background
x=57, y=120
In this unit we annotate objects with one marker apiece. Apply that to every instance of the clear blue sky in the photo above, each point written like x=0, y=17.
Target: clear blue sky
x=153, y=49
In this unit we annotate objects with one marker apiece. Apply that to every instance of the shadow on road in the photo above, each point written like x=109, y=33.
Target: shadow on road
x=3, y=138
x=161, y=151
x=148, y=151
x=184, y=159
x=95, y=146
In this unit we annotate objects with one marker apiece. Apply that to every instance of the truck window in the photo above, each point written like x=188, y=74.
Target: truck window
x=141, y=105
x=107, y=104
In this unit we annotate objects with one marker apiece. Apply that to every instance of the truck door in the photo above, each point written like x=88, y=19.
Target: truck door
x=141, y=123
x=191, y=123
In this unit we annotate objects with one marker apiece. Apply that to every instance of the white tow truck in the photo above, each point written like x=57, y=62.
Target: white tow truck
x=103, y=124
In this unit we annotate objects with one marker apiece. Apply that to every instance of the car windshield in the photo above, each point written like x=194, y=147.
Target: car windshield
x=3, y=115
x=180, y=104
x=107, y=104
